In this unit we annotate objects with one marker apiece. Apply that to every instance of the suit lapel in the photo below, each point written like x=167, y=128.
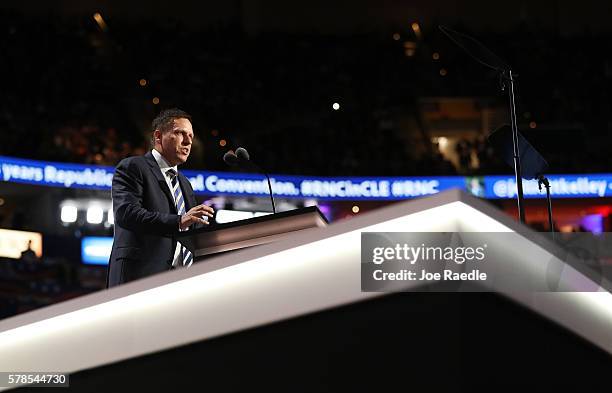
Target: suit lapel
x=160, y=178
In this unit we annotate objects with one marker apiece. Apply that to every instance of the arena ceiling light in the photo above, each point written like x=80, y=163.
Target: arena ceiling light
x=95, y=214
x=68, y=214
x=93, y=209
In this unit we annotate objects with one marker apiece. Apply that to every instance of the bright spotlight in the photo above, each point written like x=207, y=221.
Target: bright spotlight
x=68, y=213
x=100, y=21
x=336, y=106
x=94, y=214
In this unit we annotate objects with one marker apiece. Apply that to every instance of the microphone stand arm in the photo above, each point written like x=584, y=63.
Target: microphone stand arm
x=260, y=170
x=243, y=161
x=271, y=193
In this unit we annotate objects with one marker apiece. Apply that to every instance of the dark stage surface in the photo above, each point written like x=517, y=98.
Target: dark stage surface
x=404, y=342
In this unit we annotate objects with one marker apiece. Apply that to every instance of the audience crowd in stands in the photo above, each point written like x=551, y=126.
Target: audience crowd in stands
x=27, y=284
x=75, y=93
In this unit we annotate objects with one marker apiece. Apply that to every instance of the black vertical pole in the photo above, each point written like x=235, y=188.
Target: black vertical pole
x=543, y=180
x=516, y=152
x=550, y=220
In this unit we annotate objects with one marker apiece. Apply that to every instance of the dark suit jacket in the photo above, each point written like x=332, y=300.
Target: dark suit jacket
x=146, y=219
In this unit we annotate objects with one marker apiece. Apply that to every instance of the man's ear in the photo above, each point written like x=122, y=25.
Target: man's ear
x=157, y=134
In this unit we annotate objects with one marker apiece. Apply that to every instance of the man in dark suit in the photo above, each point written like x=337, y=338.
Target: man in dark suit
x=152, y=202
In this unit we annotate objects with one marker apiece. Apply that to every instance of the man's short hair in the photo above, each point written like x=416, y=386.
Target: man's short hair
x=165, y=119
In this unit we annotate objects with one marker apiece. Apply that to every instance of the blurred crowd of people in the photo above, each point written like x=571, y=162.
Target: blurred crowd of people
x=27, y=284
x=77, y=93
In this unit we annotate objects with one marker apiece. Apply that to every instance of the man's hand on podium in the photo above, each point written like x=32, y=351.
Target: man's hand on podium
x=196, y=215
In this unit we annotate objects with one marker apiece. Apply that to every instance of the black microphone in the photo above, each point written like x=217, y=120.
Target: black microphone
x=242, y=158
x=242, y=154
x=230, y=158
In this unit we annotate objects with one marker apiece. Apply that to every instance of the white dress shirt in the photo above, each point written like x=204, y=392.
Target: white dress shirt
x=164, y=167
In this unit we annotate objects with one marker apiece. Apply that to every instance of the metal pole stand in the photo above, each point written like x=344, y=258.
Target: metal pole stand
x=543, y=180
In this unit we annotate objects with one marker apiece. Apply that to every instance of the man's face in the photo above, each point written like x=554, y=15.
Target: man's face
x=175, y=143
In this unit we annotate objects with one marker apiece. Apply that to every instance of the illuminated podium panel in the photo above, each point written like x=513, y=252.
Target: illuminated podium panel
x=251, y=232
x=291, y=315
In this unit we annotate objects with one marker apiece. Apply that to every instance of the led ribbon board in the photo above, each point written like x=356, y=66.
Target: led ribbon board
x=16, y=170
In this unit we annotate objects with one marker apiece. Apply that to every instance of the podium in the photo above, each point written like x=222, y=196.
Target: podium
x=235, y=235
